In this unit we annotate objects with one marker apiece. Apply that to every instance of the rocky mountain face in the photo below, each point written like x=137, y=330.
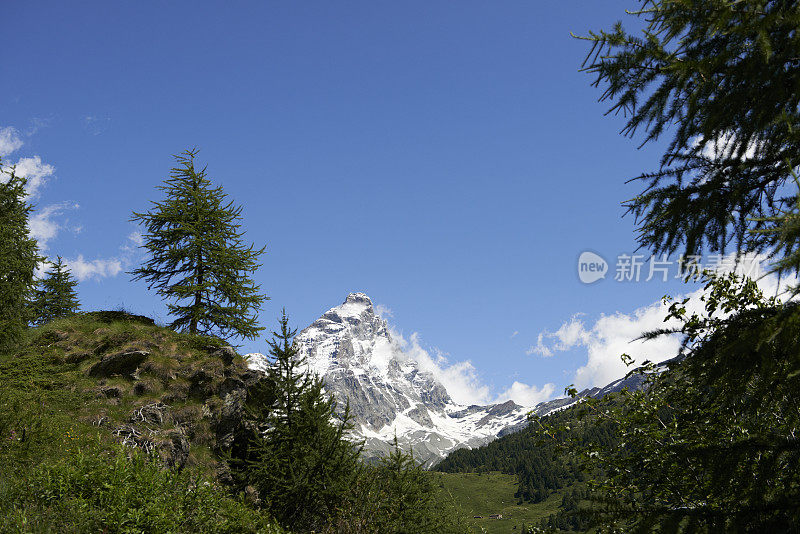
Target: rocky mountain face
x=351, y=348
x=389, y=395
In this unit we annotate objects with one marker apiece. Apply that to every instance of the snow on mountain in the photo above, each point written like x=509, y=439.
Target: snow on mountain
x=351, y=348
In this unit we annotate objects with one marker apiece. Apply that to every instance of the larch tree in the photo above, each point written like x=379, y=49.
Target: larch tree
x=197, y=257
x=710, y=445
x=18, y=257
x=720, y=79
x=55, y=296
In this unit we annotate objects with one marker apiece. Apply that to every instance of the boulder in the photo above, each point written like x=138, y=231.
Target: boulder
x=121, y=363
x=76, y=357
x=226, y=354
x=174, y=451
x=112, y=392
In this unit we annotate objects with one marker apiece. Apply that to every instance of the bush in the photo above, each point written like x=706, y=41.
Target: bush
x=94, y=489
x=60, y=475
x=396, y=495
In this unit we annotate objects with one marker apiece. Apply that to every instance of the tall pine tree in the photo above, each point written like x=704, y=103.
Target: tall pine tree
x=302, y=464
x=55, y=296
x=18, y=257
x=197, y=257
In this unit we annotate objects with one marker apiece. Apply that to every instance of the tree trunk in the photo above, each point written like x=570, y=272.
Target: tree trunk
x=198, y=294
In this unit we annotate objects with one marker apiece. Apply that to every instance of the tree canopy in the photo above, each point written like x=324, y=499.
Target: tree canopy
x=721, y=78
x=710, y=445
x=197, y=257
x=55, y=295
x=18, y=257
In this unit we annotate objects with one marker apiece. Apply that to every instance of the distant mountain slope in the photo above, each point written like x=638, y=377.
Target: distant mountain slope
x=541, y=468
x=389, y=395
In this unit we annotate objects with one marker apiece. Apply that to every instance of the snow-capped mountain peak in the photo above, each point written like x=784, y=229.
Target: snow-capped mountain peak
x=351, y=347
x=350, y=335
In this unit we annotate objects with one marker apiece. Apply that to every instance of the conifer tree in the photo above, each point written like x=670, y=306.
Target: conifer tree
x=18, y=257
x=55, y=296
x=302, y=464
x=710, y=445
x=395, y=495
x=720, y=79
x=198, y=259
x=410, y=496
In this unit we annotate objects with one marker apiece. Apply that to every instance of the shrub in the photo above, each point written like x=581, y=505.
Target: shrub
x=97, y=489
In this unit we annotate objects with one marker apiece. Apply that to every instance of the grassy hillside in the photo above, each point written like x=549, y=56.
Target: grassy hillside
x=77, y=388
x=493, y=493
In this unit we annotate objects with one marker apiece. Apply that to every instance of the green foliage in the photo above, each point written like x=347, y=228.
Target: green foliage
x=97, y=488
x=296, y=453
x=298, y=459
x=61, y=469
x=118, y=493
x=55, y=296
x=538, y=465
x=724, y=75
x=197, y=257
x=18, y=257
x=396, y=495
x=711, y=445
x=784, y=229
x=407, y=494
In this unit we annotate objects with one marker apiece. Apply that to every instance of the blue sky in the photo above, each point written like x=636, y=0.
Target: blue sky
x=446, y=158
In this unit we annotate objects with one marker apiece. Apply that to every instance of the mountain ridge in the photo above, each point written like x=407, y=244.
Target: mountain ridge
x=390, y=395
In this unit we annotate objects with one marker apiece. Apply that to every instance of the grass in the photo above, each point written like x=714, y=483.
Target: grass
x=493, y=493
x=62, y=470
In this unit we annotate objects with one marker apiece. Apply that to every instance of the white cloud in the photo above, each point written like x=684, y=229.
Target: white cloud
x=131, y=245
x=84, y=269
x=567, y=336
x=383, y=311
x=137, y=238
x=724, y=146
x=35, y=171
x=9, y=141
x=43, y=224
x=46, y=223
x=106, y=267
x=460, y=379
x=612, y=335
x=32, y=168
x=41, y=270
x=526, y=395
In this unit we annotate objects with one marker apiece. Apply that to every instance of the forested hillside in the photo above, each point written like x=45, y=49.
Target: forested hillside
x=540, y=468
